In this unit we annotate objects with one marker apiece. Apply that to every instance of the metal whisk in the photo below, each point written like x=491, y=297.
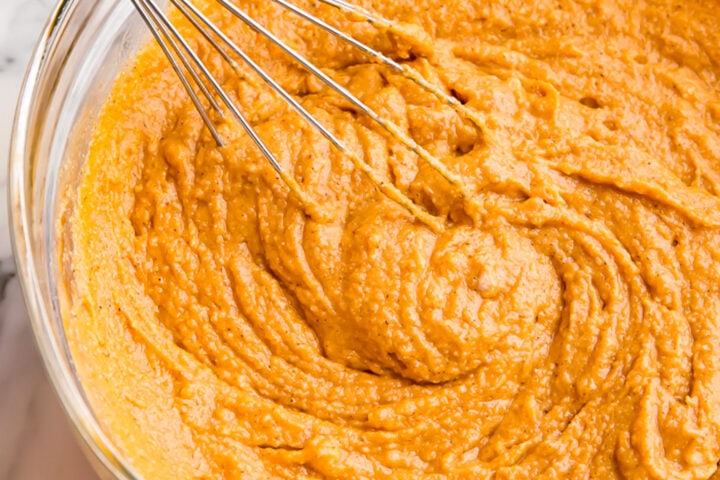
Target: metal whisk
x=190, y=69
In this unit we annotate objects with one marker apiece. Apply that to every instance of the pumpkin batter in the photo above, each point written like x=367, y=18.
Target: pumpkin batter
x=562, y=319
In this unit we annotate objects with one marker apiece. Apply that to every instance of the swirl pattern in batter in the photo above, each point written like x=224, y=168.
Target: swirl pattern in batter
x=564, y=321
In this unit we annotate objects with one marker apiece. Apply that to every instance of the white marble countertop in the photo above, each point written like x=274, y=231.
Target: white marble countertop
x=36, y=441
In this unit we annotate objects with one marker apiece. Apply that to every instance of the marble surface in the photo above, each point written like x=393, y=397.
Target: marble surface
x=36, y=441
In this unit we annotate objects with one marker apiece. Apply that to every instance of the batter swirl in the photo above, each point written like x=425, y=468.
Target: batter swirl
x=565, y=323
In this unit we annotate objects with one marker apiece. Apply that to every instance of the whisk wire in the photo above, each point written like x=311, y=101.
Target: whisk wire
x=181, y=4
x=157, y=28
x=338, y=33
x=171, y=33
x=186, y=9
x=388, y=125
x=361, y=12
x=164, y=31
x=406, y=70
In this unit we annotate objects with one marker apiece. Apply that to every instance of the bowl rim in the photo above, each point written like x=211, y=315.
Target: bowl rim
x=100, y=451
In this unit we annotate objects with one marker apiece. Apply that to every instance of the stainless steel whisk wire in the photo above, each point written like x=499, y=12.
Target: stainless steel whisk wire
x=180, y=54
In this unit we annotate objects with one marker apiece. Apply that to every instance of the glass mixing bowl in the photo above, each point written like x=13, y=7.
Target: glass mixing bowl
x=83, y=46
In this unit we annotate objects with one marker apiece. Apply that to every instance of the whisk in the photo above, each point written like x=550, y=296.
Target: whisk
x=191, y=70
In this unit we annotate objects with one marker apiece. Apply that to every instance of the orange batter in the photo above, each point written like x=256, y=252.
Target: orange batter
x=561, y=321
